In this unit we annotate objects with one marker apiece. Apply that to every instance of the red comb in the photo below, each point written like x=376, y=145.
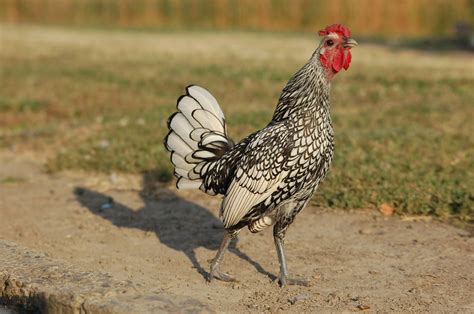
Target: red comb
x=336, y=28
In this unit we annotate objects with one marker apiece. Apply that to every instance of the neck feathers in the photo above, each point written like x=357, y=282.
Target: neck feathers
x=307, y=91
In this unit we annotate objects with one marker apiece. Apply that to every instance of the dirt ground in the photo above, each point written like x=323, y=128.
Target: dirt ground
x=162, y=240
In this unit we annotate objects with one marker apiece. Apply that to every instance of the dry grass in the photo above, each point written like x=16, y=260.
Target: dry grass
x=366, y=17
x=99, y=101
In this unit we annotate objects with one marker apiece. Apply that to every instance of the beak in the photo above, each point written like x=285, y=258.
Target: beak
x=350, y=43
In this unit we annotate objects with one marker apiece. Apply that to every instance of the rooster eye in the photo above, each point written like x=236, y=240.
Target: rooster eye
x=330, y=42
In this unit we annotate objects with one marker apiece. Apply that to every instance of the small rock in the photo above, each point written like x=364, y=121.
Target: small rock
x=353, y=298
x=363, y=307
x=299, y=297
x=108, y=204
x=317, y=276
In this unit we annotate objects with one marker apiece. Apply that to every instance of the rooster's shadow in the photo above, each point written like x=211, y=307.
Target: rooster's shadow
x=178, y=223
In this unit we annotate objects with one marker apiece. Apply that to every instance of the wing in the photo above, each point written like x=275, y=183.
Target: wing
x=258, y=174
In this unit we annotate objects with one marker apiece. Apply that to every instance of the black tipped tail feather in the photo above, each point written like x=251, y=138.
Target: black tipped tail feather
x=197, y=137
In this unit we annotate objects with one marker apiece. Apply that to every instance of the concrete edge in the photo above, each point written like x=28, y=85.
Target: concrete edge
x=33, y=282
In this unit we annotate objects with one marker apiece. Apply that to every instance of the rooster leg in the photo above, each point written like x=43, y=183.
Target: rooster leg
x=215, y=263
x=283, y=277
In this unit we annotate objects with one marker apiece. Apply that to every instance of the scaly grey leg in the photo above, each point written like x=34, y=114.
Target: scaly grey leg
x=283, y=277
x=215, y=264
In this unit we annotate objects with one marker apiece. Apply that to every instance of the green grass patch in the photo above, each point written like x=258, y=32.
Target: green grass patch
x=21, y=105
x=12, y=180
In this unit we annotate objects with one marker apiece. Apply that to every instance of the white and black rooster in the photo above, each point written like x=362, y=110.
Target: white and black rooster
x=268, y=177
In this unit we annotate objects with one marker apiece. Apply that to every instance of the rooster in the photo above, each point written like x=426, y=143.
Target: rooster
x=269, y=176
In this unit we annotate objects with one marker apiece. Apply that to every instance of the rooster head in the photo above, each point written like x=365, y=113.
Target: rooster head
x=335, y=48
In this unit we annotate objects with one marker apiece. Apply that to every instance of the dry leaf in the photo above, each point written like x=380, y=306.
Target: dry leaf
x=387, y=209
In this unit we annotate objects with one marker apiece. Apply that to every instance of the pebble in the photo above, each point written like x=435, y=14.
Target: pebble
x=363, y=307
x=299, y=297
x=108, y=204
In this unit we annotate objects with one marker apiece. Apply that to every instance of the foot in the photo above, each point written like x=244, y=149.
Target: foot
x=220, y=275
x=283, y=281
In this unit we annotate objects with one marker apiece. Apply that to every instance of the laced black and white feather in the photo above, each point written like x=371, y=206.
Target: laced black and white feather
x=197, y=137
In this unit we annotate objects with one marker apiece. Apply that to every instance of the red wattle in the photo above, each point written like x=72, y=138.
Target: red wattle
x=347, y=59
x=337, y=61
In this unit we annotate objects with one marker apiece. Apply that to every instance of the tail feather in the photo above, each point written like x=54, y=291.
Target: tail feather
x=186, y=105
x=208, y=120
x=183, y=183
x=213, y=139
x=181, y=126
x=179, y=162
x=182, y=173
x=207, y=101
x=197, y=137
x=175, y=144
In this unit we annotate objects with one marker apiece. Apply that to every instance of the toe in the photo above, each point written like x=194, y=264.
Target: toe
x=298, y=282
x=226, y=277
x=218, y=274
x=283, y=281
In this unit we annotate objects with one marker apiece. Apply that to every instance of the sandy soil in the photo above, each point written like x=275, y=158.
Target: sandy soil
x=162, y=239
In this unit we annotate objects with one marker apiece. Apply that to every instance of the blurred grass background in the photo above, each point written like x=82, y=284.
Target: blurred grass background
x=366, y=17
x=97, y=98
